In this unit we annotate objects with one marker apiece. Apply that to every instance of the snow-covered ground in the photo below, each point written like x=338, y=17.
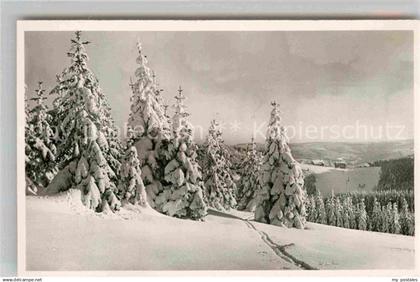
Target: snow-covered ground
x=330, y=247
x=318, y=169
x=63, y=235
x=343, y=180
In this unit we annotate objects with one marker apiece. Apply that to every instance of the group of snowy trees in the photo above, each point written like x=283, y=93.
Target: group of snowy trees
x=172, y=177
x=76, y=145
x=334, y=211
x=271, y=184
x=83, y=147
x=40, y=150
x=344, y=211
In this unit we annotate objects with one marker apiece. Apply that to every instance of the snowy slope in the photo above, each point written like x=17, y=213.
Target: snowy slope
x=59, y=239
x=63, y=235
x=330, y=247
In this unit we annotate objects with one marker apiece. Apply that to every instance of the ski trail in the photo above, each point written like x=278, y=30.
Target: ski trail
x=278, y=249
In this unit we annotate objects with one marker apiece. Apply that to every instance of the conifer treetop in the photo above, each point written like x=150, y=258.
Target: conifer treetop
x=179, y=105
x=215, y=132
x=40, y=94
x=252, y=152
x=181, y=126
x=275, y=130
x=147, y=110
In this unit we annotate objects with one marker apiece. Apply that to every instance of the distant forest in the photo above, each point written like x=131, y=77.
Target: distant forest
x=397, y=174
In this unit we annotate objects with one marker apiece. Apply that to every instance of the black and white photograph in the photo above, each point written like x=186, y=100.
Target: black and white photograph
x=216, y=146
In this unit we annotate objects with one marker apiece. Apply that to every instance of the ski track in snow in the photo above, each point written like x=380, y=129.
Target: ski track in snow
x=278, y=249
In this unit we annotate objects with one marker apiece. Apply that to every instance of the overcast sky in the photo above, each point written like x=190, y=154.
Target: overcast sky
x=330, y=79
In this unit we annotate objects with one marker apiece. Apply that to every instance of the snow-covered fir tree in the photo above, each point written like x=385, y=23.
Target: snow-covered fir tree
x=249, y=183
x=110, y=134
x=376, y=216
x=321, y=216
x=389, y=217
x=406, y=219
x=338, y=212
x=395, y=223
x=311, y=209
x=83, y=144
x=108, y=138
x=384, y=219
x=131, y=184
x=349, y=217
x=183, y=196
x=29, y=132
x=220, y=187
x=40, y=150
x=330, y=210
x=352, y=213
x=57, y=109
x=362, y=216
x=346, y=212
x=150, y=125
x=281, y=200
x=31, y=188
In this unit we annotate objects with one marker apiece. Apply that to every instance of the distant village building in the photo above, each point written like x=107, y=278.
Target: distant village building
x=340, y=163
x=318, y=162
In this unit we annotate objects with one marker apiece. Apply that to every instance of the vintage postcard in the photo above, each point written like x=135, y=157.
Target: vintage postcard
x=272, y=147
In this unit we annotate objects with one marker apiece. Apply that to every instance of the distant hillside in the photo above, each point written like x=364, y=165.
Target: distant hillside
x=351, y=152
x=329, y=179
x=343, y=180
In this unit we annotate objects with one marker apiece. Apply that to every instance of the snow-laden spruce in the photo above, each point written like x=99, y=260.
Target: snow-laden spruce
x=40, y=150
x=249, y=183
x=349, y=219
x=311, y=210
x=83, y=144
x=281, y=200
x=406, y=219
x=321, y=216
x=96, y=102
x=130, y=182
x=220, y=186
x=183, y=196
x=361, y=216
x=149, y=122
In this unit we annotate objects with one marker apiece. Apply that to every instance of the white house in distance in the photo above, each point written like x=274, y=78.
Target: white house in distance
x=318, y=162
